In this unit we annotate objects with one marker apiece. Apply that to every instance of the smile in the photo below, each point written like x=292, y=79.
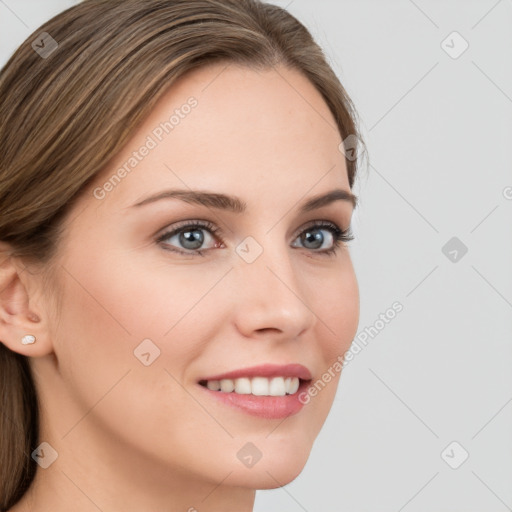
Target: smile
x=267, y=391
x=257, y=386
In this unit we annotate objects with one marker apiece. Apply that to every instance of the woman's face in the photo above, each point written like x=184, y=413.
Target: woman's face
x=149, y=323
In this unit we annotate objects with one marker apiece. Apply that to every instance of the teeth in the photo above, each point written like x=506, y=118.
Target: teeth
x=294, y=386
x=258, y=386
x=277, y=387
x=226, y=385
x=214, y=385
x=243, y=386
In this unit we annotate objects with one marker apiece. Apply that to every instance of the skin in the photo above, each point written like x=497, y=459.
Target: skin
x=142, y=438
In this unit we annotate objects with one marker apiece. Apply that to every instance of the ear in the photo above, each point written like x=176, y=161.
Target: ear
x=21, y=311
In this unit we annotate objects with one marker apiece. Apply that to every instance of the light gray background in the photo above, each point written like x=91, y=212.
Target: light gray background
x=439, y=135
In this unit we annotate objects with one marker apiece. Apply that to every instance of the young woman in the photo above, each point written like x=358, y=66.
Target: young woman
x=176, y=292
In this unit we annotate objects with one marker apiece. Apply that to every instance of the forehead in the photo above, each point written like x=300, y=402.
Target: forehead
x=233, y=129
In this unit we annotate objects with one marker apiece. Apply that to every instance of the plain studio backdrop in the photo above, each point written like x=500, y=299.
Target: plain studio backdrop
x=423, y=417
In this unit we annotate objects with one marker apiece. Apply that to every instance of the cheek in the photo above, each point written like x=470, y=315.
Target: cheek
x=107, y=312
x=335, y=301
x=337, y=307
x=135, y=296
x=112, y=305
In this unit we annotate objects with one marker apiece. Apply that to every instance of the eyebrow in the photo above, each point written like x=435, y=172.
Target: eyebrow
x=236, y=205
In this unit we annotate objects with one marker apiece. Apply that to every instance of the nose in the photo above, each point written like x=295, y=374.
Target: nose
x=271, y=296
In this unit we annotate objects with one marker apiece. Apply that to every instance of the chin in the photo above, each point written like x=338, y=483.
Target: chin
x=272, y=471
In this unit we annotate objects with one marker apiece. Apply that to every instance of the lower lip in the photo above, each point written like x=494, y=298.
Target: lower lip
x=268, y=407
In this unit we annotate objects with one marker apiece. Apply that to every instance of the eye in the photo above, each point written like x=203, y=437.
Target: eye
x=313, y=238
x=190, y=237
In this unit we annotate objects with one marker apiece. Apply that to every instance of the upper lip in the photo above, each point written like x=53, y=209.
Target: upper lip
x=266, y=370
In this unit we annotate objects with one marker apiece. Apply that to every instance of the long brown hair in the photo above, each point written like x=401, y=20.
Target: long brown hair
x=65, y=113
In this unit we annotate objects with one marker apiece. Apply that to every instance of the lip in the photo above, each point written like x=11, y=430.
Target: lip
x=267, y=407
x=266, y=370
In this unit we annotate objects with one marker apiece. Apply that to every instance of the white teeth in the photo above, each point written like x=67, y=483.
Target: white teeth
x=214, y=385
x=227, y=385
x=258, y=386
x=294, y=385
x=243, y=386
x=277, y=387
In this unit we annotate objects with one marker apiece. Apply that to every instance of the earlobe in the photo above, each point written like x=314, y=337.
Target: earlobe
x=28, y=339
x=22, y=329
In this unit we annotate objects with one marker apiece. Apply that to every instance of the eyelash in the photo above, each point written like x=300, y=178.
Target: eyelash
x=339, y=235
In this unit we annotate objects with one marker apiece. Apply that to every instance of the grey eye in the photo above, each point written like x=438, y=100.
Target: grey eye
x=313, y=238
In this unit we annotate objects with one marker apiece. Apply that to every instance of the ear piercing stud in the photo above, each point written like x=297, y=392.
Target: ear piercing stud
x=28, y=339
